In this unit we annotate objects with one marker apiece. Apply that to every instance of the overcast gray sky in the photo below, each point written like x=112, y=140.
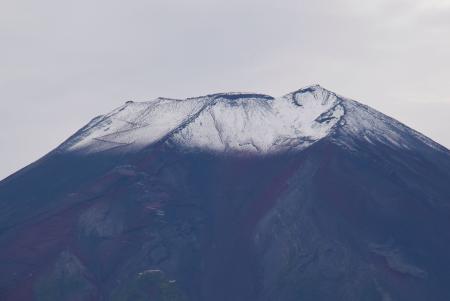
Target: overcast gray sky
x=64, y=62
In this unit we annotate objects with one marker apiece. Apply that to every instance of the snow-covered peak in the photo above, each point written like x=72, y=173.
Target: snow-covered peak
x=262, y=125
x=242, y=123
x=224, y=122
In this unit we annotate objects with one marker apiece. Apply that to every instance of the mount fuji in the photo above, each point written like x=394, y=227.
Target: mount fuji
x=232, y=197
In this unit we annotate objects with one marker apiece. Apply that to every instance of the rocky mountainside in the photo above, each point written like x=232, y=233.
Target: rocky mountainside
x=231, y=197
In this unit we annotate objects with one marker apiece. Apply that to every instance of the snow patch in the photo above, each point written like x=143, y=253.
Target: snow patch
x=226, y=122
x=243, y=123
x=263, y=125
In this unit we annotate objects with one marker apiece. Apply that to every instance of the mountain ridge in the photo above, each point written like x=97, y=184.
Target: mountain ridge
x=324, y=112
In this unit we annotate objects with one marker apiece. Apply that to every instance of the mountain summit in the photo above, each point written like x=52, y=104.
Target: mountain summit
x=236, y=123
x=226, y=122
x=231, y=196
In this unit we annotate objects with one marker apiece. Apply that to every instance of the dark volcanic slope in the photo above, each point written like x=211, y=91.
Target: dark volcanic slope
x=219, y=200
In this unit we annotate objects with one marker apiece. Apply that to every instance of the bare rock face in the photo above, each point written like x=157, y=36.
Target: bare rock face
x=232, y=196
x=65, y=280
